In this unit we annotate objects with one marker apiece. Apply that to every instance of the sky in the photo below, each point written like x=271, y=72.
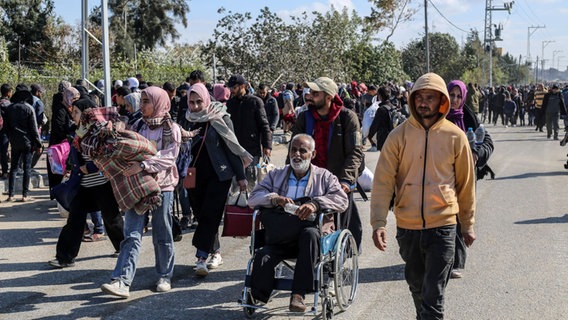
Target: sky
x=456, y=17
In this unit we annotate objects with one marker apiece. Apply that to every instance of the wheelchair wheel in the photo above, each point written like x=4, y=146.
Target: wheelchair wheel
x=346, y=270
x=327, y=309
x=249, y=311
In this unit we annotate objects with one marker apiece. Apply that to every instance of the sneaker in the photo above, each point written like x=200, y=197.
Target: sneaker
x=201, y=268
x=456, y=274
x=116, y=288
x=163, y=285
x=60, y=264
x=215, y=261
x=26, y=199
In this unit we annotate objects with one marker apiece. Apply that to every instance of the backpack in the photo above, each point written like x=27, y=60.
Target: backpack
x=396, y=117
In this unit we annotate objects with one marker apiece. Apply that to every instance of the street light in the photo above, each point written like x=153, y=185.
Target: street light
x=553, y=56
x=544, y=44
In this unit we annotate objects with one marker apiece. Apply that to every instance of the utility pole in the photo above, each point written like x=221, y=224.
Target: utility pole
x=488, y=35
x=544, y=44
x=529, y=34
x=426, y=36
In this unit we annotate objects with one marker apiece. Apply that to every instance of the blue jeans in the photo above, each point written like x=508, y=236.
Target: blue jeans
x=161, y=238
x=97, y=219
x=429, y=257
x=26, y=157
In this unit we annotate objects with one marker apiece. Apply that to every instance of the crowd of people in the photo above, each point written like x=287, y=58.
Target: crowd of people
x=225, y=130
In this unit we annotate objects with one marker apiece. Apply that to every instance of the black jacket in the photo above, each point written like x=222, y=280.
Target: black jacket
x=21, y=126
x=61, y=123
x=382, y=124
x=225, y=163
x=484, y=150
x=250, y=122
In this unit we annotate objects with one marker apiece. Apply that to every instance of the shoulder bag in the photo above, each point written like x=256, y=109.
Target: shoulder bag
x=189, y=181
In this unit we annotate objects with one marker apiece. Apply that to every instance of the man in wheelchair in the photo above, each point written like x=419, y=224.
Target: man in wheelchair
x=319, y=189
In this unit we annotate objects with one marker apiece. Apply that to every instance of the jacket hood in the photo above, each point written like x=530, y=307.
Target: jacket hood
x=430, y=81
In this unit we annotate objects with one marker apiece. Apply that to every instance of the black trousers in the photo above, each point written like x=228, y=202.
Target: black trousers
x=89, y=200
x=429, y=257
x=4, y=143
x=306, y=252
x=208, y=204
x=351, y=220
x=26, y=157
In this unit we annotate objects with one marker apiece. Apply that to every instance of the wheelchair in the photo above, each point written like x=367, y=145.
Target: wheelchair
x=336, y=273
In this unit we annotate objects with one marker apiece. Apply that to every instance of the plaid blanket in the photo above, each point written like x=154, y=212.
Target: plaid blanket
x=113, y=151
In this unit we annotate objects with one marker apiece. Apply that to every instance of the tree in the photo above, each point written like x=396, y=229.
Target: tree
x=388, y=14
x=445, y=57
x=143, y=24
x=24, y=25
x=268, y=49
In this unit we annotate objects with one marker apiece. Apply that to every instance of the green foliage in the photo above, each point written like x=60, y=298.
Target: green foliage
x=445, y=57
x=25, y=26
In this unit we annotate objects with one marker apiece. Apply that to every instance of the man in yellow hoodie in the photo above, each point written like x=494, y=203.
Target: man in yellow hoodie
x=426, y=163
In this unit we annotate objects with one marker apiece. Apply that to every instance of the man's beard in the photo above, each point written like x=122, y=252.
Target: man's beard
x=313, y=106
x=301, y=166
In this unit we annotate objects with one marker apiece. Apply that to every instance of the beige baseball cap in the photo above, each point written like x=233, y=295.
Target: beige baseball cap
x=324, y=84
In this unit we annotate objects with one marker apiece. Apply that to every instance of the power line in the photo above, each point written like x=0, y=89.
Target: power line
x=448, y=21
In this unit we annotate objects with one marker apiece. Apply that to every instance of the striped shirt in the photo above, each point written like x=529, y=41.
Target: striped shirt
x=92, y=179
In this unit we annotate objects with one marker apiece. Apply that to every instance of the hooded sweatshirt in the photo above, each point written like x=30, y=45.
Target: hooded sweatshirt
x=430, y=171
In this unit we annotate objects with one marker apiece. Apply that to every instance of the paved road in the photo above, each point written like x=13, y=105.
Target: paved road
x=515, y=270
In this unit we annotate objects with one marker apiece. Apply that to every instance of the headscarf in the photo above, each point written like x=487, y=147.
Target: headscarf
x=63, y=85
x=456, y=115
x=214, y=113
x=160, y=116
x=221, y=93
x=161, y=103
x=133, y=83
x=134, y=100
x=70, y=94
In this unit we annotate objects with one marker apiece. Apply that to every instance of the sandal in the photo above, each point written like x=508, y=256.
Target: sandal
x=98, y=237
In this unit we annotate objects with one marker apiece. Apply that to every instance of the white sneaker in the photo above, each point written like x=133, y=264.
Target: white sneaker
x=201, y=268
x=456, y=274
x=215, y=261
x=163, y=285
x=116, y=288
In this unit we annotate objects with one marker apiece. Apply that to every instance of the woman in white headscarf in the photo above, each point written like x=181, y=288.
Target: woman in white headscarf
x=217, y=157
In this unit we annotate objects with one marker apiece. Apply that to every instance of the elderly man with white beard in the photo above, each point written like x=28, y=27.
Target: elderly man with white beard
x=320, y=190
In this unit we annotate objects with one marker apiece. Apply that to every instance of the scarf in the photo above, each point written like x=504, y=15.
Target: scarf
x=214, y=113
x=160, y=117
x=322, y=129
x=456, y=115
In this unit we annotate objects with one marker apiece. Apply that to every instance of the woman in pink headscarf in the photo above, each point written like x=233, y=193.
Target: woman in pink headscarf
x=217, y=157
x=156, y=126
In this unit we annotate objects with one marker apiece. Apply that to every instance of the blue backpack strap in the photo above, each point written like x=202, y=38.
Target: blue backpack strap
x=310, y=121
